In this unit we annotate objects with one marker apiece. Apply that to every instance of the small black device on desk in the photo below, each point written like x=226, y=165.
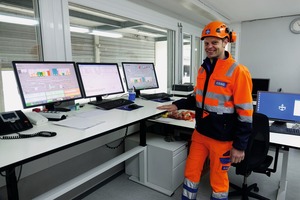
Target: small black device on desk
x=133, y=106
x=183, y=87
x=16, y=121
x=13, y=121
x=115, y=103
x=161, y=95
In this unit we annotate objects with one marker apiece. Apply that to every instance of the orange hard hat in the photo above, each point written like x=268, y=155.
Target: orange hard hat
x=218, y=29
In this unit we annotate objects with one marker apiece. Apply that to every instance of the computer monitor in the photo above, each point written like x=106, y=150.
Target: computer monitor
x=100, y=79
x=279, y=106
x=259, y=84
x=140, y=76
x=43, y=83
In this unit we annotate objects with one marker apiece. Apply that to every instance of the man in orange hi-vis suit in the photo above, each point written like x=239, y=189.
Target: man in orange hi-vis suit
x=223, y=103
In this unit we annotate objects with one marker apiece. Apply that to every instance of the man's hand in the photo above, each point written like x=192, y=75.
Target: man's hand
x=169, y=108
x=236, y=156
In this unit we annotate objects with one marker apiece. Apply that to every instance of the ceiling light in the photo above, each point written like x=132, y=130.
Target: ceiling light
x=18, y=20
x=79, y=29
x=106, y=34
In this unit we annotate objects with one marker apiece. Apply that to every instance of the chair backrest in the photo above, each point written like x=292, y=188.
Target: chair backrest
x=258, y=145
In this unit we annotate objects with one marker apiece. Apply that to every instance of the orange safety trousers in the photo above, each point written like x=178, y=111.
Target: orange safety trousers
x=218, y=153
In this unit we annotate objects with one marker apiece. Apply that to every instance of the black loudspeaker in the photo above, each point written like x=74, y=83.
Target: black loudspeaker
x=183, y=87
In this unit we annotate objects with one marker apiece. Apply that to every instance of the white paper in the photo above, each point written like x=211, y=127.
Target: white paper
x=78, y=123
x=90, y=113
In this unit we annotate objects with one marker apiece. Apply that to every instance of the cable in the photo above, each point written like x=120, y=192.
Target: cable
x=19, y=175
x=121, y=142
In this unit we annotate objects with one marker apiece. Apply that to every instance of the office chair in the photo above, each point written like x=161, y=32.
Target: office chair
x=256, y=158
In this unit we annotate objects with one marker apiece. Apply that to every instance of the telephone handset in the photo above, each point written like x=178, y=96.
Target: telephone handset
x=13, y=121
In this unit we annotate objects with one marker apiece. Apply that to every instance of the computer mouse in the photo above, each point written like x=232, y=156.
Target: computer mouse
x=166, y=99
x=133, y=106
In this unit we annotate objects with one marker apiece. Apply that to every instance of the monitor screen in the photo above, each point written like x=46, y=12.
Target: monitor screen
x=100, y=79
x=140, y=76
x=259, y=84
x=43, y=83
x=279, y=106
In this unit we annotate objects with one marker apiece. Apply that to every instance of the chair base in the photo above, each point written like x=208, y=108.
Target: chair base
x=245, y=192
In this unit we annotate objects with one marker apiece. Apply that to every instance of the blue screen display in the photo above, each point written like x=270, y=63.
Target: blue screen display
x=279, y=106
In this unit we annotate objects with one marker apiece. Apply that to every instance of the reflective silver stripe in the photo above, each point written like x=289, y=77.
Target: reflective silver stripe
x=198, y=104
x=219, y=109
x=199, y=92
x=216, y=109
x=231, y=69
x=193, y=186
x=220, y=195
x=245, y=119
x=220, y=97
x=244, y=106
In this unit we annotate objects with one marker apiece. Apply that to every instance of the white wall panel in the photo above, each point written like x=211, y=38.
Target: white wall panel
x=54, y=17
x=270, y=50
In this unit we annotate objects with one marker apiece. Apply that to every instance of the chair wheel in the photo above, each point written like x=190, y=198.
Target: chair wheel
x=256, y=189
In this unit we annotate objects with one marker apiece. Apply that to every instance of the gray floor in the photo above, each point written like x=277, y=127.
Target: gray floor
x=123, y=189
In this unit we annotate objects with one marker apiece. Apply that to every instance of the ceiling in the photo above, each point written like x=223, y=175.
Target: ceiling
x=197, y=12
x=229, y=11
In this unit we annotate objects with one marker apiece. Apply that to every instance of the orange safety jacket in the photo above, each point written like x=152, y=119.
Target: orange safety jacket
x=223, y=101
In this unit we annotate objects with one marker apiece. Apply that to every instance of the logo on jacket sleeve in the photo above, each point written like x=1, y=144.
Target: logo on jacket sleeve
x=220, y=83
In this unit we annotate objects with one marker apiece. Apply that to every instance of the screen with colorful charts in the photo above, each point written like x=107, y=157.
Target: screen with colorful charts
x=46, y=83
x=140, y=76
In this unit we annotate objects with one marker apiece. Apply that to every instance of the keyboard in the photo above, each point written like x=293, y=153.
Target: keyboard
x=115, y=103
x=155, y=96
x=285, y=130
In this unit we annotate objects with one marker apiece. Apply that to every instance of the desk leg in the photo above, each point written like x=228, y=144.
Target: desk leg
x=143, y=130
x=283, y=179
x=143, y=167
x=11, y=184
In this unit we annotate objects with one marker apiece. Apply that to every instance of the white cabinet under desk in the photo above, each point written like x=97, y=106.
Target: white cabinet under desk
x=165, y=162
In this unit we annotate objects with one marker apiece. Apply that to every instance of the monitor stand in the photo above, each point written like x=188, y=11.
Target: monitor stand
x=99, y=100
x=137, y=93
x=52, y=107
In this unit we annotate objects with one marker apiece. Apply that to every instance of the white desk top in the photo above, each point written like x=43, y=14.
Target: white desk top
x=275, y=138
x=18, y=150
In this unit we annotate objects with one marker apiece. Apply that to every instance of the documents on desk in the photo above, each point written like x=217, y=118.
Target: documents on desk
x=82, y=120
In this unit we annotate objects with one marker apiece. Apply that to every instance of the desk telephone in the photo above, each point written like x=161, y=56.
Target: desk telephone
x=13, y=121
x=16, y=121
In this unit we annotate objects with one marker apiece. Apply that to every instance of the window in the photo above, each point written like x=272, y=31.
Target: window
x=187, y=60
x=102, y=37
x=18, y=41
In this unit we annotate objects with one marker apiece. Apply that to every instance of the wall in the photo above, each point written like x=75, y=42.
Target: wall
x=270, y=50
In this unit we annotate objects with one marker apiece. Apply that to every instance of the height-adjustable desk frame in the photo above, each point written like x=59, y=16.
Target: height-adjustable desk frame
x=22, y=151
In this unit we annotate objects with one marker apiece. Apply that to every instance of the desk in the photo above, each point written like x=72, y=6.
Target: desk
x=283, y=140
x=18, y=152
